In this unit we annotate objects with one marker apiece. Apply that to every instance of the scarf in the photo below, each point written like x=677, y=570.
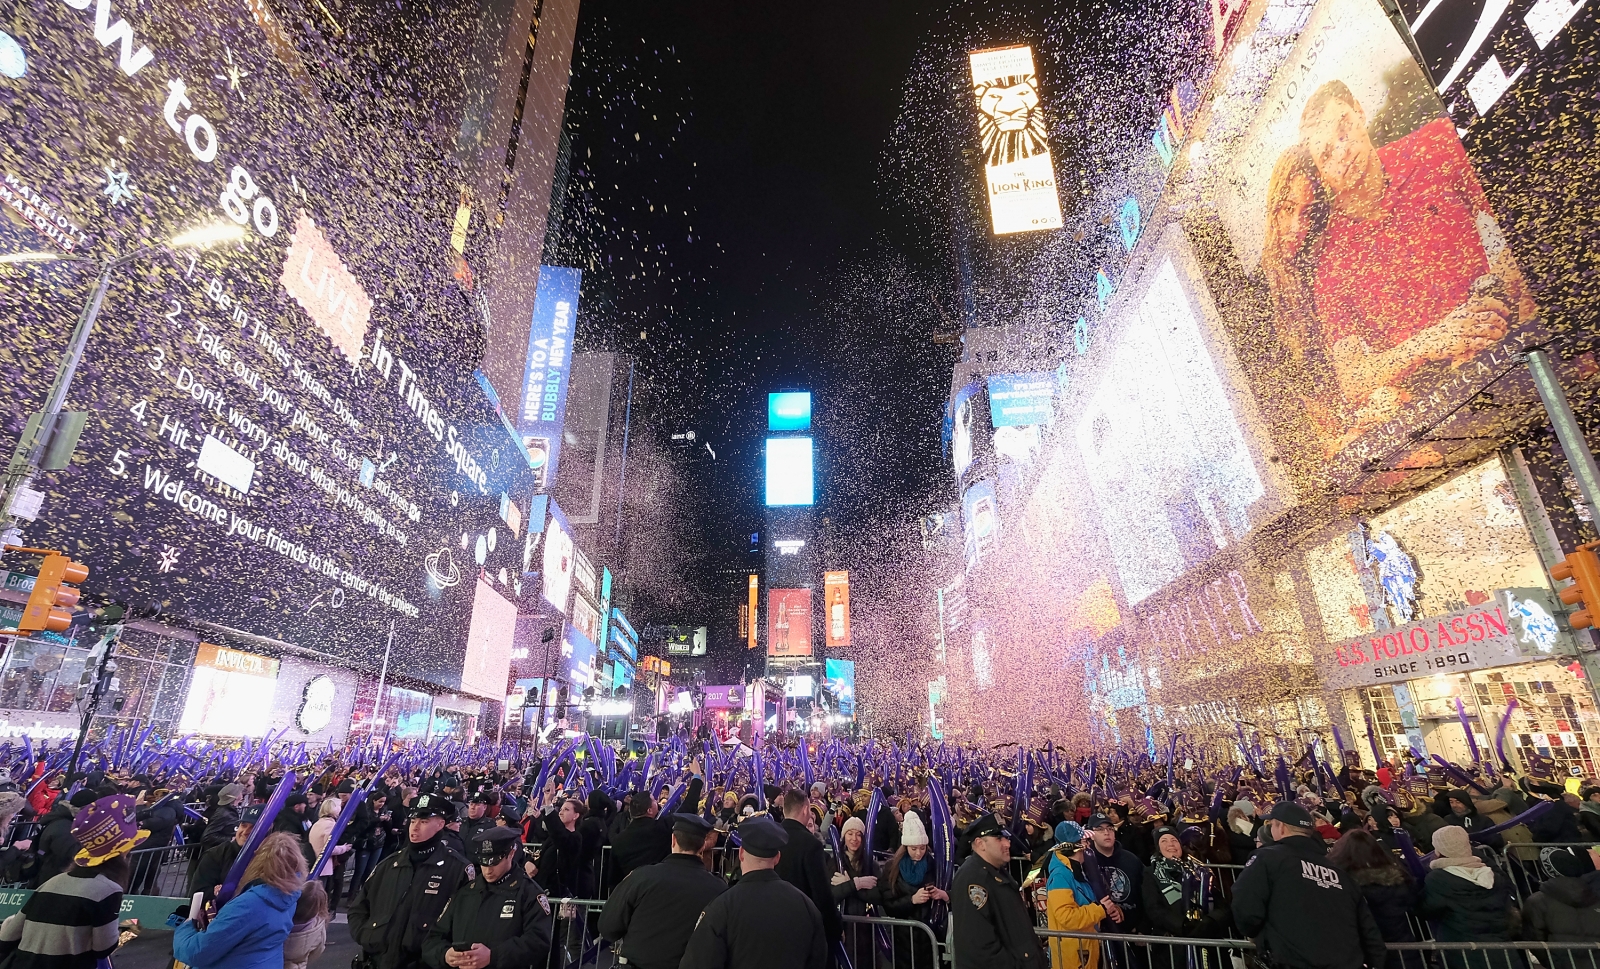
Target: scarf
x=1171, y=873
x=915, y=873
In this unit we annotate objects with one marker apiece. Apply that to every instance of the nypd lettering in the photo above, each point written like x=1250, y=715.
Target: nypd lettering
x=1319, y=875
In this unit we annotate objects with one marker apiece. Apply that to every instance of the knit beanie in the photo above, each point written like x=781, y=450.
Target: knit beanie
x=1452, y=842
x=912, y=832
x=853, y=823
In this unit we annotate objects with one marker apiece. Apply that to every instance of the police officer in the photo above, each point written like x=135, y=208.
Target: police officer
x=991, y=925
x=651, y=914
x=502, y=918
x=1288, y=882
x=478, y=820
x=408, y=890
x=761, y=921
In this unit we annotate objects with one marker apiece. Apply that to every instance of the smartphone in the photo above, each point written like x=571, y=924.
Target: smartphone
x=462, y=947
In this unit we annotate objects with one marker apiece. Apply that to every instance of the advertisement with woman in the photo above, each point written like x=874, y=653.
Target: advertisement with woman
x=1351, y=198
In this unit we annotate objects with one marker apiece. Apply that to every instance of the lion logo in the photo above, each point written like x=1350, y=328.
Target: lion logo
x=1009, y=120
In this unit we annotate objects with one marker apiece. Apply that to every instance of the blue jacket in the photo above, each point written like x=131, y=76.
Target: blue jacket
x=248, y=933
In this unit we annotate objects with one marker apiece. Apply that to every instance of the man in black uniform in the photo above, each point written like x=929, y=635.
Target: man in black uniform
x=650, y=915
x=763, y=921
x=408, y=891
x=1301, y=908
x=991, y=925
x=477, y=821
x=501, y=920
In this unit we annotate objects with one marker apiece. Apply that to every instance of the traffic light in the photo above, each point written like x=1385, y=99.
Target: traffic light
x=53, y=598
x=1583, y=568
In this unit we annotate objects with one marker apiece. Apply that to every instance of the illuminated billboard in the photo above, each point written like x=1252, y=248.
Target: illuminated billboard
x=686, y=641
x=548, y=369
x=487, y=663
x=1020, y=399
x=788, y=622
x=230, y=693
x=1016, y=148
x=624, y=641
x=1168, y=467
x=839, y=678
x=836, y=597
x=1394, y=296
x=578, y=660
x=789, y=471
x=789, y=411
x=285, y=436
x=559, y=560
x=980, y=521
x=751, y=614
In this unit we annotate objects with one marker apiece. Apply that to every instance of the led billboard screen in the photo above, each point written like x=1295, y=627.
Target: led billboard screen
x=230, y=693
x=1020, y=399
x=1016, y=147
x=559, y=560
x=836, y=596
x=839, y=678
x=1168, y=467
x=789, y=411
x=788, y=622
x=283, y=437
x=487, y=665
x=548, y=369
x=1394, y=296
x=789, y=471
x=686, y=640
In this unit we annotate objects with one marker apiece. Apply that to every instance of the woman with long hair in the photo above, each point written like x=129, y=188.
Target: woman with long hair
x=250, y=930
x=332, y=871
x=1298, y=208
x=908, y=891
x=1391, y=893
x=855, y=886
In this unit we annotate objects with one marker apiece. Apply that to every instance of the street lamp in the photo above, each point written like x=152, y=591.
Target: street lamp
x=37, y=437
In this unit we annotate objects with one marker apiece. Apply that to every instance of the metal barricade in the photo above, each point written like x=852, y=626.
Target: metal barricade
x=892, y=943
x=574, y=940
x=1110, y=950
x=162, y=871
x=1520, y=861
x=1493, y=955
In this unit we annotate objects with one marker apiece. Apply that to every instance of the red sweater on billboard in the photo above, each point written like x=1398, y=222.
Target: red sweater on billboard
x=1387, y=278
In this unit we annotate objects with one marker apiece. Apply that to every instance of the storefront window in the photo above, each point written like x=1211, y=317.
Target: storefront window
x=40, y=675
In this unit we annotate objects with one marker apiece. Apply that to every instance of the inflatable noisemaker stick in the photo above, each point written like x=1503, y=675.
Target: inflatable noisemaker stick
x=1500, y=735
x=1466, y=728
x=258, y=834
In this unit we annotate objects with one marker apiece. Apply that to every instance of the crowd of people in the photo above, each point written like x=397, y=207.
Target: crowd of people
x=1011, y=858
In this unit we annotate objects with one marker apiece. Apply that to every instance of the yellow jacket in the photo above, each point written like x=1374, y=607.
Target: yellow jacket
x=1066, y=913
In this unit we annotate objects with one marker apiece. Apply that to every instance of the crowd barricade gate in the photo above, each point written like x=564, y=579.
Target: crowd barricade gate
x=574, y=939
x=873, y=940
x=1112, y=950
x=1519, y=861
x=162, y=871
x=1494, y=955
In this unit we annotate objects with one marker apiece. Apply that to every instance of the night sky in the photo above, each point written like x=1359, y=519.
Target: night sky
x=728, y=200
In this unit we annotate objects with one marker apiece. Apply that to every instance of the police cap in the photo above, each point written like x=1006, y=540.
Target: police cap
x=493, y=845
x=482, y=797
x=690, y=825
x=762, y=837
x=434, y=806
x=984, y=826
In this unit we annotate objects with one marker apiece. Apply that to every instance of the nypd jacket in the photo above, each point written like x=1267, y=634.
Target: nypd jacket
x=1282, y=884
x=402, y=900
x=992, y=927
x=655, y=909
x=511, y=918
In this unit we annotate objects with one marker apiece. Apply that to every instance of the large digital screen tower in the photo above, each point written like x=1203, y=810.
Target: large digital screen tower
x=787, y=624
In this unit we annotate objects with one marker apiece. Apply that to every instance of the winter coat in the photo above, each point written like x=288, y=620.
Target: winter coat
x=1564, y=910
x=320, y=833
x=1589, y=821
x=160, y=822
x=1391, y=896
x=1421, y=827
x=220, y=826
x=248, y=933
x=69, y=923
x=853, y=900
x=1070, y=906
x=305, y=943
x=1464, y=911
x=55, y=845
x=1286, y=881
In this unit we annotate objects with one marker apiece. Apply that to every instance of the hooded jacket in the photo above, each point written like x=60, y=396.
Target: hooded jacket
x=1070, y=906
x=56, y=845
x=248, y=933
x=1391, y=895
x=1290, y=878
x=1565, y=910
x=1463, y=910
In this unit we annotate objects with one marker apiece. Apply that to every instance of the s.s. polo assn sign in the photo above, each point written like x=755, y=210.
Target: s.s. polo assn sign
x=1511, y=626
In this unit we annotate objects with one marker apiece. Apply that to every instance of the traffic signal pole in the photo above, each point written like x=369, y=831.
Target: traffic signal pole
x=1568, y=434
